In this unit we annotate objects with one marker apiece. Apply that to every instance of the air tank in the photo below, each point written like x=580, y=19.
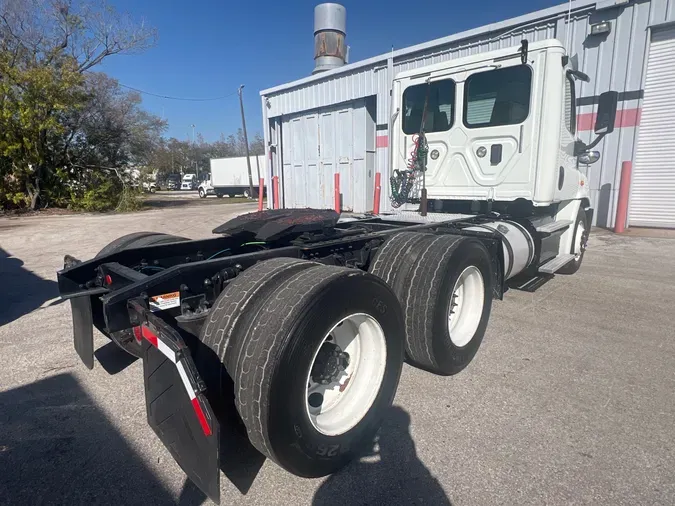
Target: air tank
x=330, y=31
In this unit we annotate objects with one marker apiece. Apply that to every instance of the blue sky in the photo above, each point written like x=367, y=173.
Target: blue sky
x=207, y=48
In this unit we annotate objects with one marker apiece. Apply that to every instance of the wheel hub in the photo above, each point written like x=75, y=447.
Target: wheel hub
x=330, y=363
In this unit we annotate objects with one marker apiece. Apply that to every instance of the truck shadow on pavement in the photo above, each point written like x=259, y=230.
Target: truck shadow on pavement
x=21, y=291
x=391, y=474
x=57, y=447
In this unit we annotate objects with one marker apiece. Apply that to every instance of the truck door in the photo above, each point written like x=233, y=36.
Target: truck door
x=495, y=109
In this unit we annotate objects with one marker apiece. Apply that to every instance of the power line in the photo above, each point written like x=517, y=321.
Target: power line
x=177, y=98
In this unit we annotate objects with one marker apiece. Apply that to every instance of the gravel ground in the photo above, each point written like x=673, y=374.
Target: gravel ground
x=570, y=400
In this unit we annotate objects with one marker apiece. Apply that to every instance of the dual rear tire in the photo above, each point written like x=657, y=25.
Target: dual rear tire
x=444, y=285
x=312, y=378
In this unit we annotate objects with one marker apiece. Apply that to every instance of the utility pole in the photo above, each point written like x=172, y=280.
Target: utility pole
x=193, y=147
x=248, y=156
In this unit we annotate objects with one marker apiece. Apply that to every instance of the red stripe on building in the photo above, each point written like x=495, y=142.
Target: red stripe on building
x=382, y=141
x=625, y=118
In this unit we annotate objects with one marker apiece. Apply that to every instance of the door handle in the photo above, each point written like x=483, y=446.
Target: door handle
x=495, y=154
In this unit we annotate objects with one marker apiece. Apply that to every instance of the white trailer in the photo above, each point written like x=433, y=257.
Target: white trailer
x=229, y=176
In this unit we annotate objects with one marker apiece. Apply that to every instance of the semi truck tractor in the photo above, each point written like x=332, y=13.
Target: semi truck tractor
x=292, y=325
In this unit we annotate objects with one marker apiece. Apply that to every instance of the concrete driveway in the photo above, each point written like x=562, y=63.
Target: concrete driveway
x=571, y=399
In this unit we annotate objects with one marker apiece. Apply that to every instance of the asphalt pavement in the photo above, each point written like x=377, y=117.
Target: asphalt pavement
x=570, y=400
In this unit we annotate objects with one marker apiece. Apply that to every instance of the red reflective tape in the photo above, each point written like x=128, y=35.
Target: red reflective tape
x=201, y=416
x=149, y=335
x=382, y=141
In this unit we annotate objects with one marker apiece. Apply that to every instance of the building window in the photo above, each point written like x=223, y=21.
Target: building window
x=498, y=97
x=570, y=105
x=440, y=107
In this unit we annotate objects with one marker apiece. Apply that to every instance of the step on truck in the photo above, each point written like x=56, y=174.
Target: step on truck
x=294, y=323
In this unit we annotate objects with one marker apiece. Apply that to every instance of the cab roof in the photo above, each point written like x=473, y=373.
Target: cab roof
x=481, y=57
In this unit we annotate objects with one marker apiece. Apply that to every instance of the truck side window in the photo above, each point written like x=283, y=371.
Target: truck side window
x=440, y=107
x=570, y=105
x=497, y=97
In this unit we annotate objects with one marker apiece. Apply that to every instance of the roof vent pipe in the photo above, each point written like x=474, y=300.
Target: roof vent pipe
x=330, y=30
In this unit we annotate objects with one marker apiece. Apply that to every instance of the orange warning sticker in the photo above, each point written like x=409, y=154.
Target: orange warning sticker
x=165, y=301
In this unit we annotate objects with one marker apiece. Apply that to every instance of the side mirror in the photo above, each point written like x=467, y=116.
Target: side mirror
x=588, y=157
x=607, y=104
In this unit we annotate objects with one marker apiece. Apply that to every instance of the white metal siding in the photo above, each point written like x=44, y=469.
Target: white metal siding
x=653, y=186
x=614, y=61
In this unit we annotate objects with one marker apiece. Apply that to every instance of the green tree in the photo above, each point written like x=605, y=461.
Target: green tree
x=32, y=100
x=45, y=48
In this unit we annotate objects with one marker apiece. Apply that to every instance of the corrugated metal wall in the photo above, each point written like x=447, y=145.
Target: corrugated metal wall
x=614, y=61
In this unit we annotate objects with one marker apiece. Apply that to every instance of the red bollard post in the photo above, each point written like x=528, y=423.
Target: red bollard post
x=624, y=194
x=261, y=191
x=378, y=189
x=337, y=193
x=275, y=186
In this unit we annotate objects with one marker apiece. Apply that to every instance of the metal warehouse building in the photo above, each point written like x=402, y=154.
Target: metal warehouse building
x=337, y=121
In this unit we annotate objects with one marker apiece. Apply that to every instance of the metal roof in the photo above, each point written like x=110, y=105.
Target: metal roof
x=493, y=27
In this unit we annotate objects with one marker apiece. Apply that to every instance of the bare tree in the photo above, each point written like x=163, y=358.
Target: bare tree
x=257, y=145
x=43, y=31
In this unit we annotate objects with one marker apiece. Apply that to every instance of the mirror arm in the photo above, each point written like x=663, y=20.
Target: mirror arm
x=581, y=147
x=595, y=142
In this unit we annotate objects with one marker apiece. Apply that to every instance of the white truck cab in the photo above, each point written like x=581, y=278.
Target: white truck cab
x=500, y=126
x=496, y=132
x=189, y=182
x=206, y=188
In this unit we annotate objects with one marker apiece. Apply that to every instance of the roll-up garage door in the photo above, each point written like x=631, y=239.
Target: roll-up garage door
x=652, y=202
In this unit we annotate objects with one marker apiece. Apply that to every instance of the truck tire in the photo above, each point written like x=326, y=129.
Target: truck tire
x=126, y=339
x=202, y=193
x=247, y=194
x=138, y=240
x=233, y=304
x=581, y=231
x=444, y=285
x=312, y=378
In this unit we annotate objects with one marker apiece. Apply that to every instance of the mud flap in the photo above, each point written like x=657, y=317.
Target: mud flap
x=177, y=408
x=83, y=329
